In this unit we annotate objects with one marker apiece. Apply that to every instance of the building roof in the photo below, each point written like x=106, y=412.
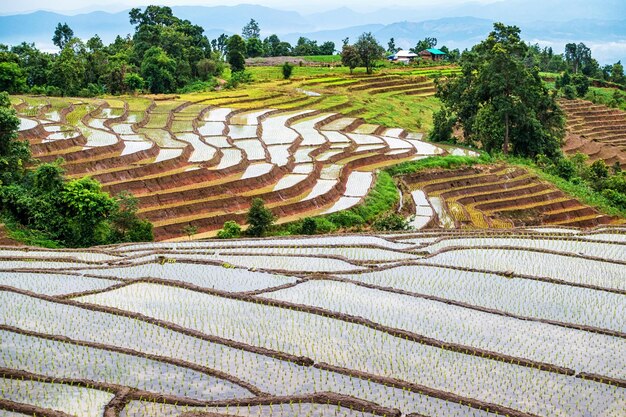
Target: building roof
x=435, y=51
x=405, y=54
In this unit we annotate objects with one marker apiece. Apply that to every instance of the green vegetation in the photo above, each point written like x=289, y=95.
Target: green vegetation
x=259, y=218
x=231, y=230
x=445, y=162
x=498, y=101
x=596, y=185
x=287, y=70
x=42, y=207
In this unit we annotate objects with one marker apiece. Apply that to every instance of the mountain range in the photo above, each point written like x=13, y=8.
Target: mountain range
x=601, y=28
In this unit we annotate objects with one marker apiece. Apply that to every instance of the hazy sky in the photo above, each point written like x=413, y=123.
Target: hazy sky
x=11, y=6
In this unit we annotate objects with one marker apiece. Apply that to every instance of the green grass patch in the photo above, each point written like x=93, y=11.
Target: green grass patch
x=321, y=58
x=27, y=236
x=444, y=162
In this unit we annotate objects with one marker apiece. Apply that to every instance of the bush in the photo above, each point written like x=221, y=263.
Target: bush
x=309, y=226
x=323, y=225
x=346, y=219
x=198, y=87
x=569, y=92
x=391, y=221
x=237, y=78
x=616, y=198
x=565, y=168
x=287, y=70
x=231, y=230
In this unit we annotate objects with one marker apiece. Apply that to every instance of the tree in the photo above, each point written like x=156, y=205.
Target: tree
x=577, y=56
x=62, y=35
x=426, y=43
x=208, y=68
x=14, y=153
x=391, y=46
x=350, y=57
x=306, y=47
x=220, y=44
x=231, y=230
x=236, y=48
x=86, y=208
x=158, y=70
x=12, y=78
x=260, y=218
x=369, y=50
x=254, y=47
x=499, y=102
x=617, y=73
x=327, y=48
x=287, y=70
x=133, y=82
x=68, y=70
x=125, y=225
x=34, y=63
x=251, y=30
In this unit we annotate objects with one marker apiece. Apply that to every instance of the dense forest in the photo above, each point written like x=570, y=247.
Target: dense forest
x=165, y=54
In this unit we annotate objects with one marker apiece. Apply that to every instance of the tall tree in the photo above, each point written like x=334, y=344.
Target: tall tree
x=617, y=73
x=260, y=218
x=34, y=63
x=391, y=46
x=68, y=69
x=158, y=70
x=327, y=48
x=236, y=48
x=62, y=35
x=577, y=55
x=498, y=101
x=350, y=57
x=369, y=50
x=251, y=30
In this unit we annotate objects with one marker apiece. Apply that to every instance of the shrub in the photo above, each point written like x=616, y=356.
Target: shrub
x=287, y=70
x=346, y=219
x=190, y=230
x=231, y=230
x=615, y=197
x=237, y=78
x=391, y=221
x=569, y=92
x=323, y=225
x=309, y=226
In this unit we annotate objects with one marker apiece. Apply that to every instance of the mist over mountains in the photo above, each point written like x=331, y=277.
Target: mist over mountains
x=601, y=25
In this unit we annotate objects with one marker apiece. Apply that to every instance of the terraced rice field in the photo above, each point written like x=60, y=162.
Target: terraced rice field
x=595, y=130
x=494, y=197
x=528, y=322
x=202, y=162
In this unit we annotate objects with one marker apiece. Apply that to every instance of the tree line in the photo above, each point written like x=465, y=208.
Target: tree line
x=165, y=54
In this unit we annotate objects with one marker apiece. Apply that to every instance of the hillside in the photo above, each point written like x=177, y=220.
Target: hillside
x=595, y=130
x=202, y=159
